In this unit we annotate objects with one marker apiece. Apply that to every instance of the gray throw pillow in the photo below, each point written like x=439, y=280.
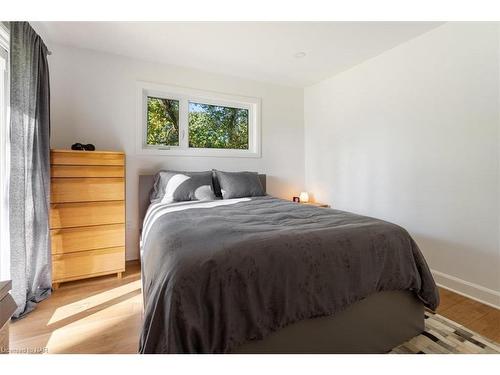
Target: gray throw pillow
x=173, y=186
x=240, y=184
x=215, y=184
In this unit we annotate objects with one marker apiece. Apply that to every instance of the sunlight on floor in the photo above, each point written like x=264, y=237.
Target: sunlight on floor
x=80, y=306
x=104, y=325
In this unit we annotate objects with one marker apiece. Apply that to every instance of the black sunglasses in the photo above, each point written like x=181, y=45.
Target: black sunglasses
x=82, y=147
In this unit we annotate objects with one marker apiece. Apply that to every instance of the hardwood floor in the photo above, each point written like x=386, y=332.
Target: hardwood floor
x=103, y=315
x=474, y=315
x=100, y=315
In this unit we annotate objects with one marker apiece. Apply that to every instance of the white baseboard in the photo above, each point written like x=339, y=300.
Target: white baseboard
x=467, y=289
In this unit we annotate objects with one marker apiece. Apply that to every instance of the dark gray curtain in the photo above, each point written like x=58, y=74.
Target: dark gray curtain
x=30, y=173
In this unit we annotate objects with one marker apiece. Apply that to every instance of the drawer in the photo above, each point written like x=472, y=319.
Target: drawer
x=70, y=240
x=87, y=264
x=86, y=189
x=67, y=215
x=87, y=171
x=67, y=157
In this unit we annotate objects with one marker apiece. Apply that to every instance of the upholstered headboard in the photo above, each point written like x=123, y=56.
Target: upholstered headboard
x=145, y=186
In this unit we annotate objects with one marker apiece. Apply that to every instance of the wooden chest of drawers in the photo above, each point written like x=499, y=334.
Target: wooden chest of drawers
x=87, y=214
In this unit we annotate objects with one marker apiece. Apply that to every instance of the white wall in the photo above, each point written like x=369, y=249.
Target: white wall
x=412, y=136
x=94, y=101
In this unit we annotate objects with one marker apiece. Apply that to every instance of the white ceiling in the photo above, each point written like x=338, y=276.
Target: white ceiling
x=254, y=50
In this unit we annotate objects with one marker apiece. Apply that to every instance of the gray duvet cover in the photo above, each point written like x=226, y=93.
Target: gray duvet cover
x=216, y=277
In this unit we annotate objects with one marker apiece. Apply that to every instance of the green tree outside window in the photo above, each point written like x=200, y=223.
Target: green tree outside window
x=209, y=126
x=212, y=126
x=163, y=122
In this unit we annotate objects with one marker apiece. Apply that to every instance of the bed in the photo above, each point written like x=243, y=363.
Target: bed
x=264, y=275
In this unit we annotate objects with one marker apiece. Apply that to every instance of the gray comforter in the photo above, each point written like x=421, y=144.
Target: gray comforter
x=216, y=277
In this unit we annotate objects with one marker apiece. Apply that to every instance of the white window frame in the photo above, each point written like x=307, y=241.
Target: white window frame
x=184, y=96
x=4, y=158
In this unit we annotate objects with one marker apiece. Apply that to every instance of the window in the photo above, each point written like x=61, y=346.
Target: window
x=214, y=126
x=4, y=155
x=180, y=121
x=163, y=122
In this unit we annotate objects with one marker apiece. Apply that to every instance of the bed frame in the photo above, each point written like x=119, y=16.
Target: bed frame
x=375, y=324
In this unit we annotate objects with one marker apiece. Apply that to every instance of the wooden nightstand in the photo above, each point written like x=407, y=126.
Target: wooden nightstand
x=316, y=204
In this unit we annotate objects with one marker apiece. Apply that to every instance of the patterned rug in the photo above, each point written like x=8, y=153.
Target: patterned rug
x=444, y=336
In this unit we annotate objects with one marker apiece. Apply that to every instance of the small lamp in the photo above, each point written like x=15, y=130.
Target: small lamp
x=304, y=197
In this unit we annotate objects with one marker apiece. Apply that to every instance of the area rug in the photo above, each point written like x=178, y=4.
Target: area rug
x=444, y=336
